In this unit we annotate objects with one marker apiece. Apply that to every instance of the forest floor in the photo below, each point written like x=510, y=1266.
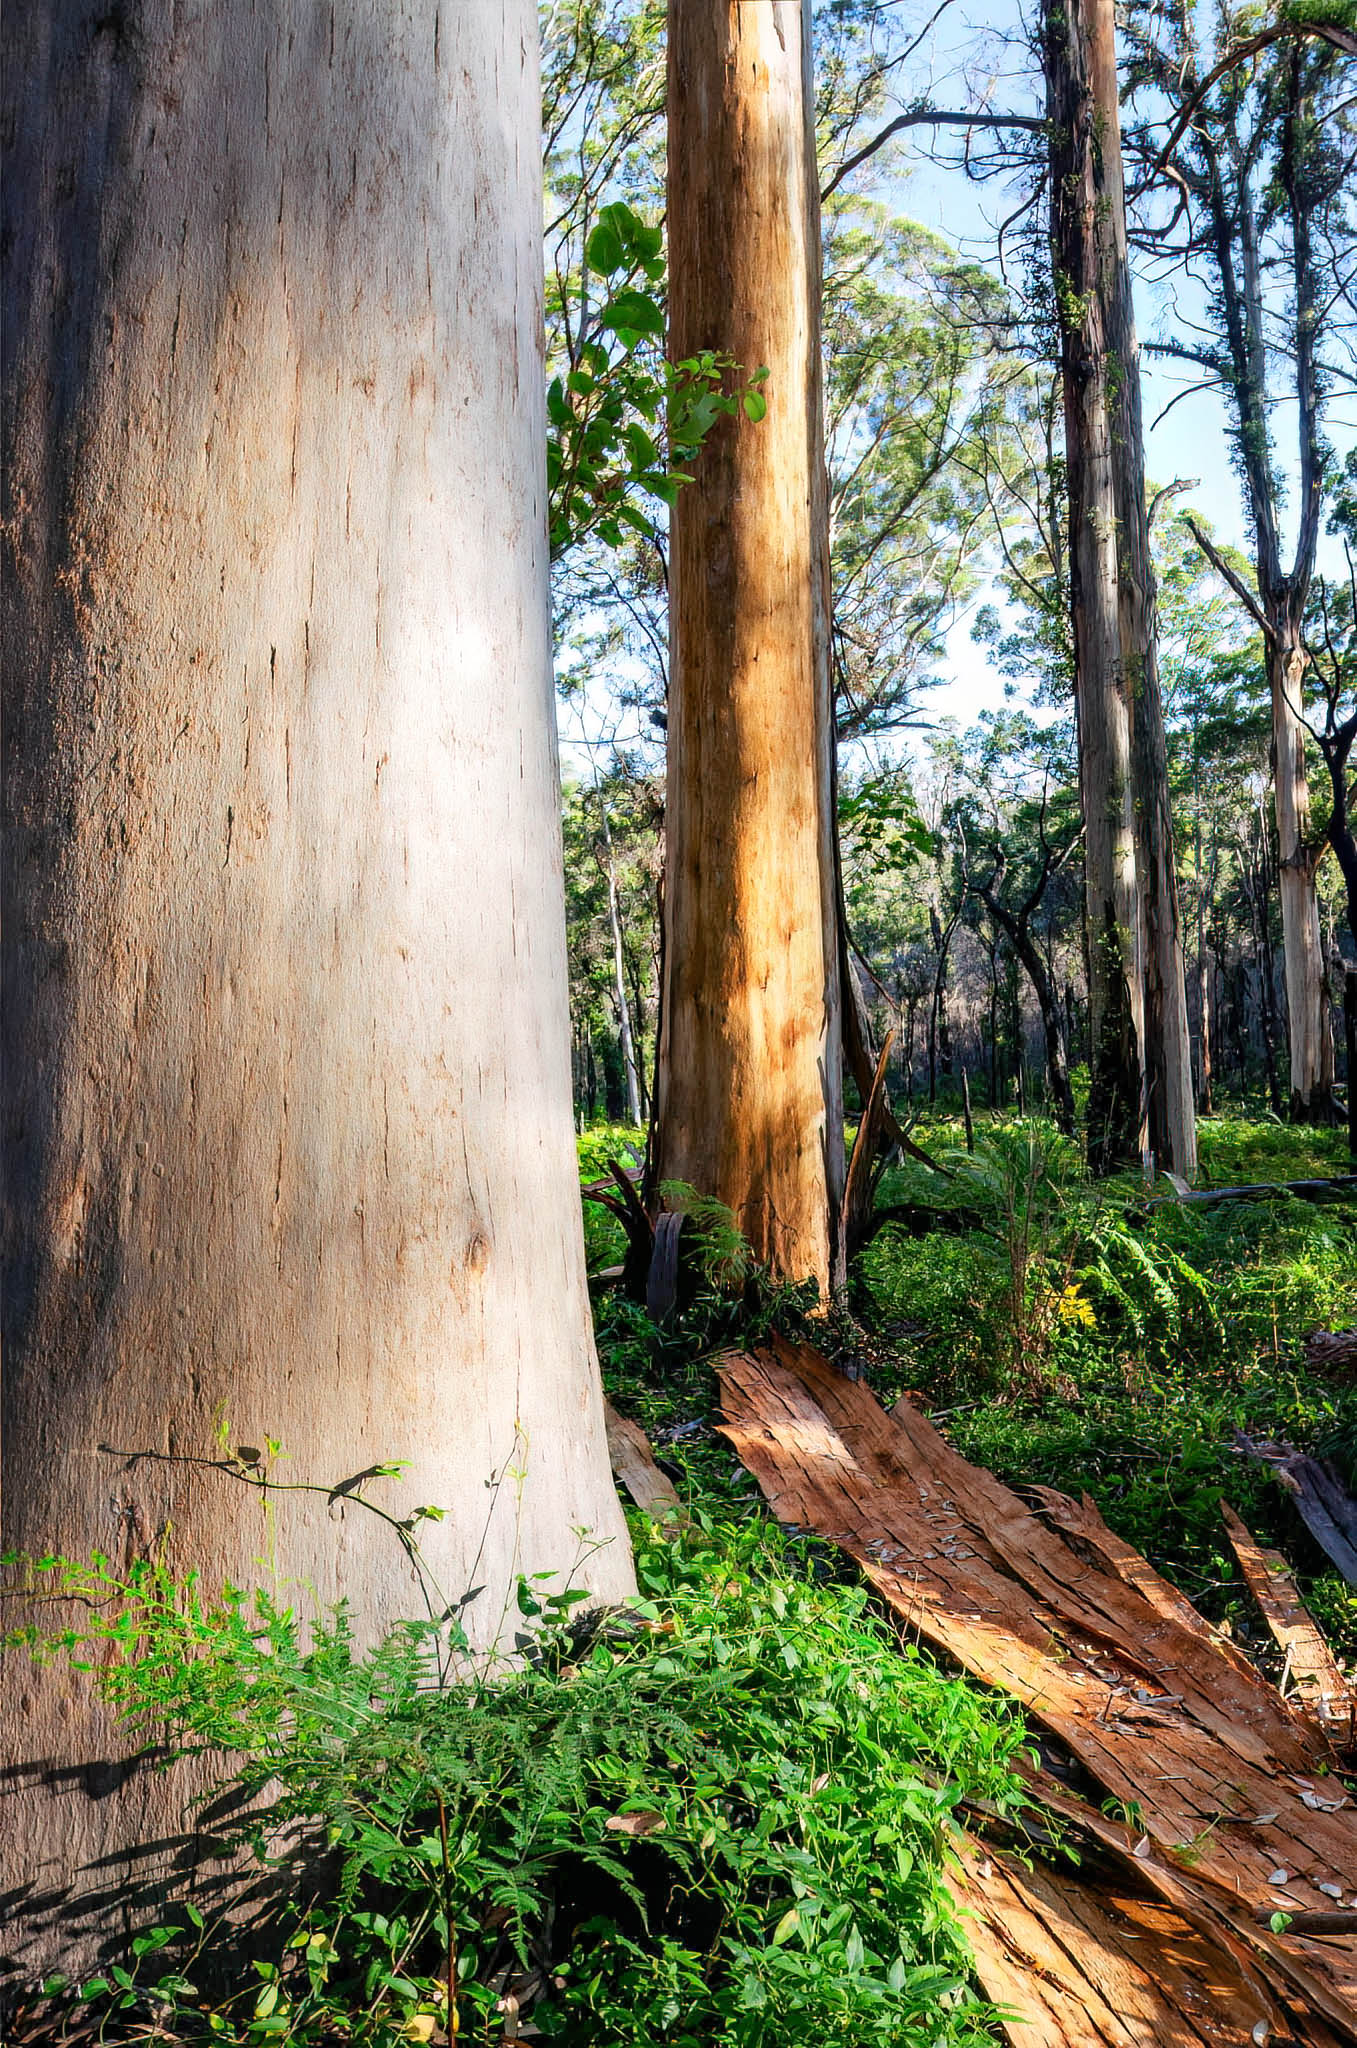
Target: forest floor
x=1114, y=1345
x=1063, y=1334
x=732, y=1815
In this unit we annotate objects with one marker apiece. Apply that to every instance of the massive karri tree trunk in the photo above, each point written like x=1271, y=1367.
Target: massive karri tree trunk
x=749, y=1093
x=287, y=1112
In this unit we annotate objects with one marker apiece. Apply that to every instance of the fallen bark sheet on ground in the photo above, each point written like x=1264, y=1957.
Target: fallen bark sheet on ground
x=1328, y=1512
x=1311, y=1666
x=1088, y=1964
x=1230, y=1807
x=634, y=1467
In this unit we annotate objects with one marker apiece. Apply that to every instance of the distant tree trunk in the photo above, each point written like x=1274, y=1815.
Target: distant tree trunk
x=639, y=1029
x=994, y=1059
x=1081, y=255
x=1235, y=213
x=940, y=1033
x=1170, y=1116
x=1256, y=879
x=1071, y=1019
x=1204, y=891
x=1307, y=1004
x=1017, y=925
x=287, y=1107
x=749, y=1105
x=1204, y=1031
x=1016, y=1030
x=630, y=1067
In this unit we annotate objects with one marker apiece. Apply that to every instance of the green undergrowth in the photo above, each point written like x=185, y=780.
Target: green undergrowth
x=1073, y=1335
x=718, y=1815
x=1086, y=1338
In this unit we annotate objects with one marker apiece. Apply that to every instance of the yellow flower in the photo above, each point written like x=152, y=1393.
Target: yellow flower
x=1073, y=1307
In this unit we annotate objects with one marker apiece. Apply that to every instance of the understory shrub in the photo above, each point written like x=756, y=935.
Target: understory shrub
x=718, y=1815
x=1167, y=1328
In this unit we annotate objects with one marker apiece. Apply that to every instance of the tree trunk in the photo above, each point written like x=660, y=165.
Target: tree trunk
x=287, y=1117
x=1259, y=882
x=749, y=1104
x=940, y=1036
x=1308, y=1031
x=1057, y=1058
x=1204, y=891
x=629, y=1064
x=1081, y=253
x=1170, y=1117
x=639, y=1030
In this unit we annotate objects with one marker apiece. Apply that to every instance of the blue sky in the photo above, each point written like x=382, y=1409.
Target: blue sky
x=983, y=61
x=975, y=61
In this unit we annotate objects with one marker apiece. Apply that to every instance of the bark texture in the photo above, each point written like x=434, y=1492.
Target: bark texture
x=1079, y=260
x=1170, y=1116
x=287, y=1111
x=748, y=1099
x=1307, y=997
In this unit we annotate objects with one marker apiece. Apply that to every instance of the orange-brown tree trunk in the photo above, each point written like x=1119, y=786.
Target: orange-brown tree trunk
x=749, y=1101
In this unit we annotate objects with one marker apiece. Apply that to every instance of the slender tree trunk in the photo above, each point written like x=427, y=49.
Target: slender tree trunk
x=1203, y=891
x=1081, y=255
x=1307, y=1019
x=941, y=1039
x=1028, y=953
x=1057, y=1058
x=630, y=1067
x=1259, y=895
x=639, y=1030
x=629, y=1063
x=1171, y=1130
x=749, y=1102
x=1204, y=1015
x=287, y=1109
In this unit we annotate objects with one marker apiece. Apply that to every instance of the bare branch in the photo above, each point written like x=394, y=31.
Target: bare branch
x=1236, y=582
x=927, y=117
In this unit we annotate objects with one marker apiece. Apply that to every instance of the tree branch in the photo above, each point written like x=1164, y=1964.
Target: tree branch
x=1344, y=39
x=927, y=117
x=1236, y=582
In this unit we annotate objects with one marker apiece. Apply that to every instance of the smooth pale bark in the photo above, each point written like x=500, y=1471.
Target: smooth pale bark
x=1115, y=922
x=287, y=1115
x=1307, y=1000
x=1170, y=1114
x=630, y=1066
x=748, y=1100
